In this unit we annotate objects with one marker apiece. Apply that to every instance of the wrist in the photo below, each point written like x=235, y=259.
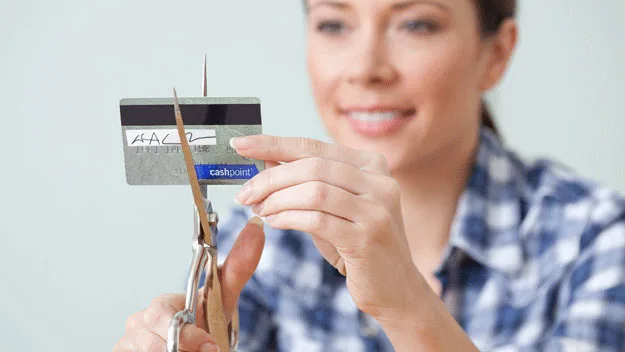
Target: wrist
x=415, y=316
x=425, y=325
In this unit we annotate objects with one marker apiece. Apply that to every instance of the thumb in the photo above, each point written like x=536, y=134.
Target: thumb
x=241, y=262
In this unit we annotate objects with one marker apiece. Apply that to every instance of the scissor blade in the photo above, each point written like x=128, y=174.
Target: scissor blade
x=193, y=180
x=204, y=80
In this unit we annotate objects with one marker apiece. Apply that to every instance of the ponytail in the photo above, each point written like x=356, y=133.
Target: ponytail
x=487, y=119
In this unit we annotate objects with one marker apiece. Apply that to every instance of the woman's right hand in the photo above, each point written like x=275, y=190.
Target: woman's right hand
x=146, y=330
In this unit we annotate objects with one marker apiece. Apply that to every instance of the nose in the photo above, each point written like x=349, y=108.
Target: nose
x=370, y=63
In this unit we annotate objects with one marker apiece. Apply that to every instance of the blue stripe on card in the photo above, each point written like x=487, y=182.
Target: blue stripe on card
x=225, y=171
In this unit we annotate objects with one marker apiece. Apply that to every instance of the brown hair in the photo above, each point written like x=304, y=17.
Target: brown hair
x=491, y=14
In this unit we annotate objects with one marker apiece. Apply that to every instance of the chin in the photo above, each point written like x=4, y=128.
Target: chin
x=399, y=150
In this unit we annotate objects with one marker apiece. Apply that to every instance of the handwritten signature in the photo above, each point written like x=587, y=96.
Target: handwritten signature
x=154, y=138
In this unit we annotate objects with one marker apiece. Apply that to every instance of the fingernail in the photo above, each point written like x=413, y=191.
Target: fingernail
x=243, y=194
x=257, y=221
x=209, y=347
x=240, y=143
x=257, y=208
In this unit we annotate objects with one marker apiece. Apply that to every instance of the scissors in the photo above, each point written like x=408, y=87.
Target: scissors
x=204, y=260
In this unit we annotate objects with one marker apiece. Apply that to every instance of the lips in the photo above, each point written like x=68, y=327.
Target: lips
x=376, y=122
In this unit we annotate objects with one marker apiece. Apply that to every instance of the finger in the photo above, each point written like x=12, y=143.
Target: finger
x=148, y=341
x=173, y=300
x=135, y=322
x=158, y=316
x=315, y=195
x=289, y=149
x=193, y=338
x=335, y=230
x=331, y=255
x=125, y=344
x=377, y=164
x=371, y=185
x=241, y=262
x=286, y=175
x=269, y=164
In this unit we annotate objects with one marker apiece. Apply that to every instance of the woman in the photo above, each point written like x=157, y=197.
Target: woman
x=417, y=230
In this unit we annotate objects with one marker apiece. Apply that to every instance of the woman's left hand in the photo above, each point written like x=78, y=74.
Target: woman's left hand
x=349, y=203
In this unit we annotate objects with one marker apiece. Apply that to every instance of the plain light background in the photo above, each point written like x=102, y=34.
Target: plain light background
x=80, y=250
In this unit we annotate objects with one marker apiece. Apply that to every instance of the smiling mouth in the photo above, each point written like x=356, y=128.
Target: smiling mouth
x=377, y=122
x=374, y=116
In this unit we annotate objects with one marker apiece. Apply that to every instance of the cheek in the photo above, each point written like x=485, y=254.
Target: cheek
x=324, y=75
x=442, y=81
x=439, y=77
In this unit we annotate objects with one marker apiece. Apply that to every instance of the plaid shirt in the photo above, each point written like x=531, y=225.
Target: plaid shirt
x=535, y=261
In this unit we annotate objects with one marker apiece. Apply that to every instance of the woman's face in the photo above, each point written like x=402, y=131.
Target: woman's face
x=403, y=78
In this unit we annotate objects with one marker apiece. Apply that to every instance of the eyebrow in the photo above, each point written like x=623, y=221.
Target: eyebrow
x=408, y=3
x=397, y=7
x=339, y=4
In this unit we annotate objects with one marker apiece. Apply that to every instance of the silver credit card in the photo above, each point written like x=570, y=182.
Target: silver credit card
x=152, y=149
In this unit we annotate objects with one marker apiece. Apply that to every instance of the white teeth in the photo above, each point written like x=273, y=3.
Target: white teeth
x=375, y=116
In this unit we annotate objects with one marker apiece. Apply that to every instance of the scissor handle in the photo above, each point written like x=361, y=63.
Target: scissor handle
x=175, y=327
x=187, y=316
x=204, y=256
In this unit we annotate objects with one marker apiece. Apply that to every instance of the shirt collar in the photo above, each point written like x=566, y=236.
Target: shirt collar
x=490, y=209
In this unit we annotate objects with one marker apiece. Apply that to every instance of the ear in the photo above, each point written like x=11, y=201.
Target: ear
x=500, y=47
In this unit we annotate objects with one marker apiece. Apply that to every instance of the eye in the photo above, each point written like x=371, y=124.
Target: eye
x=421, y=26
x=331, y=27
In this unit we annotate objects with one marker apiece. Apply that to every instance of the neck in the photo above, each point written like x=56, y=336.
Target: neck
x=430, y=193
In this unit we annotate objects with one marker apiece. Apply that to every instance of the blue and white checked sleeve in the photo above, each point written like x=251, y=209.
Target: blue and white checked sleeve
x=591, y=317
x=257, y=328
